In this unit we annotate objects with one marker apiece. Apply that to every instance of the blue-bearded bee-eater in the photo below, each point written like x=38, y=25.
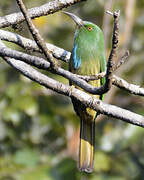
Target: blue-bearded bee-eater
x=87, y=58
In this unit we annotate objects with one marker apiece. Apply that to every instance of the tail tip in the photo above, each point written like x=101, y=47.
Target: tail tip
x=86, y=169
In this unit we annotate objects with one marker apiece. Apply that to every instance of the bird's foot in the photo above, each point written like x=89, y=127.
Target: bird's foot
x=70, y=90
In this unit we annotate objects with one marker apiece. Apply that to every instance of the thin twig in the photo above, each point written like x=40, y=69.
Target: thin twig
x=36, y=35
x=92, y=77
x=109, y=12
x=122, y=60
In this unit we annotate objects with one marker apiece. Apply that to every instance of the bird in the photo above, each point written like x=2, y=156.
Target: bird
x=88, y=58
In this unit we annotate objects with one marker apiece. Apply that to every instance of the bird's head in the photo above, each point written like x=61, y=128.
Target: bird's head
x=83, y=26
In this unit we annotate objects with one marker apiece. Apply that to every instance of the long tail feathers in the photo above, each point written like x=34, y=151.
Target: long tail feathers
x=87, y=145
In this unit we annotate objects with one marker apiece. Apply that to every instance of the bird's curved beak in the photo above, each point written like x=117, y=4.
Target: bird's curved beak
x=75, y=18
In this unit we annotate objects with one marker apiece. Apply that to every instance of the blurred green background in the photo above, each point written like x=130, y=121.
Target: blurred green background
x=39, y=129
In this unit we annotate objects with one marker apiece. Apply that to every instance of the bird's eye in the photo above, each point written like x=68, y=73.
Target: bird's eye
x=90, y=28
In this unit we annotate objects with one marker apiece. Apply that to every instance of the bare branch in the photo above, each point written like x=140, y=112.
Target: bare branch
x=132, y=88
x=109, y=12
x=32, y=60
x=82, y=96
x=113, y=53
x=93, y=77
x=122, y=60
x=48, y=8
x=29, y=44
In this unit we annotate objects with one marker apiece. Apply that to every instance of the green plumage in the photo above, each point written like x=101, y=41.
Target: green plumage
x=87, y=59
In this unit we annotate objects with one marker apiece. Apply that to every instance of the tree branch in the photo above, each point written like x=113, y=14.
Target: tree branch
x=113, y=53
x=31, y=45
x=122, y=60
x=132, y=88
x=48, y=8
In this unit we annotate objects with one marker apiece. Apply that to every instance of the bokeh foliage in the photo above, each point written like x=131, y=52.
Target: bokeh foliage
x=39, y=129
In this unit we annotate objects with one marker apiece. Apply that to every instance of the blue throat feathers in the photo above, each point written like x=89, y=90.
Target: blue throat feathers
x=76, y=58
